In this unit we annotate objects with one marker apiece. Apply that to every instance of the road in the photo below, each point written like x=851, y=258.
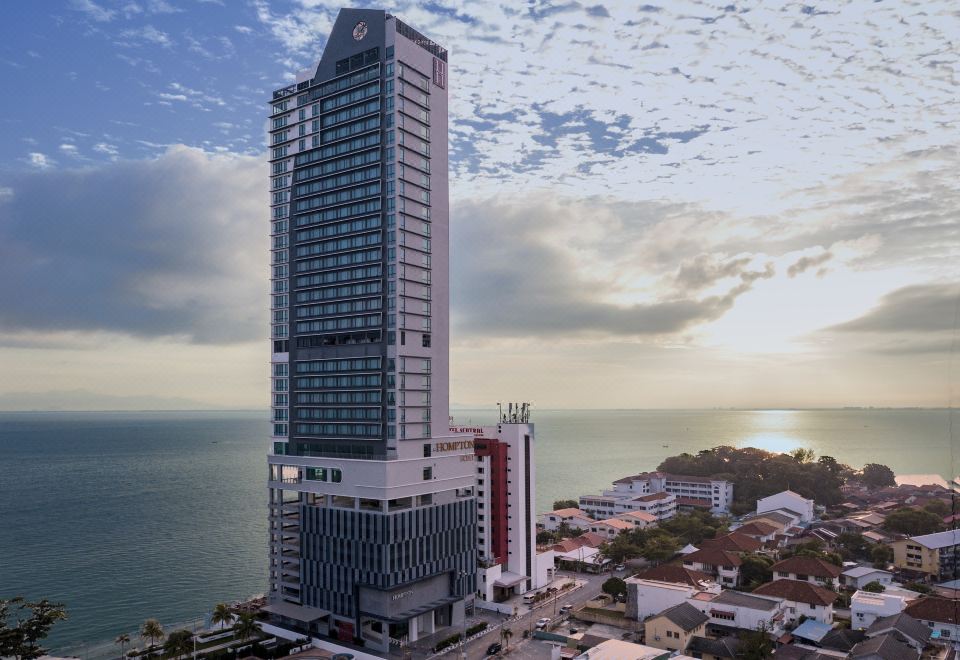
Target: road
x=532, y=649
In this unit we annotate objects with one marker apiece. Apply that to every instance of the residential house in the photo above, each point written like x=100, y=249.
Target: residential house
x=599, y=506
x=860, y=576
x=637, y=519
x=610, y=528
x=941, y=615
x=725, y=648
x=678, y=575
x=650, y=596
x=617, y=649
x=788, y=501
x=866, y=607
x=781, y=519
x=575, y=518
x=810, y=569
x=723, y=565
x=934, y=554
x=884, y=647
x=904, y=627
x=803, y=599
x=733, y=542
x=758, y=529
x=673, y=628
x=730, y=611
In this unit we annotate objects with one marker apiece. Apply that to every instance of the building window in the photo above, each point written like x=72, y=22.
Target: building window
x=426, y=450
x=427, y=473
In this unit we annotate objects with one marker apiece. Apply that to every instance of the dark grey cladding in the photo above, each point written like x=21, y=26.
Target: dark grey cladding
x=344, y=551
x=341, y=44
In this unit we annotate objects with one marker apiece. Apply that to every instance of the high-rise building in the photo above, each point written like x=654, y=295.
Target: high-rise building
x=373, y=513
x=506, y=513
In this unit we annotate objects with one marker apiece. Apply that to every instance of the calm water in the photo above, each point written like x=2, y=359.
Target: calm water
x=125, y=516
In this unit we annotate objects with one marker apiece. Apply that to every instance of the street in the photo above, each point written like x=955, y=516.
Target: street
x=530, y=648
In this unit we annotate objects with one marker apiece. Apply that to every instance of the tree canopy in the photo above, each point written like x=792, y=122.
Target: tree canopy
x=24, y=624
x=873, y=587
x=758, y=473
x=874, y=475
x=566, y=504
x=913, y=522
x=615, y=587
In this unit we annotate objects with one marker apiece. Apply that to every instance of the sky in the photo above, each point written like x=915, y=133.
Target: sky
x=666, y=205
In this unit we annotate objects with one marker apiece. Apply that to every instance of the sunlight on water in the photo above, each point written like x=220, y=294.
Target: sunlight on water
x=780, y=444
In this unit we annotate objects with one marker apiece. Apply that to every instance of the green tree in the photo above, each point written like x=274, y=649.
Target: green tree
x=937, y=507
x=874, y=475
x=152, y=630
x=565, y=531
x=881, y=555
x=694, y=527
x=179, y=643
x=755, y=645
x=505, y=635
x=919, y=587
x=853, y=546
x=614, y=587
x=913, y=522
x=620, y=549
x=873, y=587
x=24, y=624
x=222, y=615
x=803, y=455
x=122, y=641
x=545, y=536
x=755, y=570
x=566, y=504
x=246, y=626
x=660, y=548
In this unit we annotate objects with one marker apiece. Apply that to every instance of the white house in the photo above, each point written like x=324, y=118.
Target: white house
x=637, y=519
x=938, y=614
x=803, y=599
x=552, y=520
x=610, y=528
x=648, y=597
x=807, y=569
x=789, y=501
x=867, y=607
x=860, y=576
x=734, y=609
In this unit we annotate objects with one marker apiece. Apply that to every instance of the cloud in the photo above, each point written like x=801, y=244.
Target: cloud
x=805, y=263
x=39, y=160
x=538, y=266
x=93, y=10
x=146, y=35
x=168, y=247
x=924, y=308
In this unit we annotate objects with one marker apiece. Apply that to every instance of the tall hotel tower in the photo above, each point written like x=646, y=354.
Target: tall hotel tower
x=373, y=512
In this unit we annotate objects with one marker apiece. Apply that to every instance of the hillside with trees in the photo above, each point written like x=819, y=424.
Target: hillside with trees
x=757, y=473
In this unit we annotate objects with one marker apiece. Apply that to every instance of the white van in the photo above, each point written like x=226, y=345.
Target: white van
x=530, y=598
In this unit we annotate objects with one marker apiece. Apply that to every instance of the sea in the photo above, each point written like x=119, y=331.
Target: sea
x=124, y=516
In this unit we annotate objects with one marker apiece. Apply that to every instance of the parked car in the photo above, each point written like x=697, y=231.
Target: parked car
x=542, y=623
x=565, y=608
x=494, y=648
x=620, y=567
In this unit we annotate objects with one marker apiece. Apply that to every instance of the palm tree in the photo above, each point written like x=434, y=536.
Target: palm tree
x=222, y=615
x=122, y=640
x=246, y=626
x=179, y=643
x=152, y=630
x=505, y=635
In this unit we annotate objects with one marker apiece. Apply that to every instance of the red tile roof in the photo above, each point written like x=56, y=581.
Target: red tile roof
x=807, y=566
x=933, y=608
x=674, y=573
x=798, y=591
x=758, y=527
x=713, y=557
x=734, y=542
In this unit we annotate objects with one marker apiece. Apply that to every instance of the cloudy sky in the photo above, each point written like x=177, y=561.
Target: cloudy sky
x=682, y=204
